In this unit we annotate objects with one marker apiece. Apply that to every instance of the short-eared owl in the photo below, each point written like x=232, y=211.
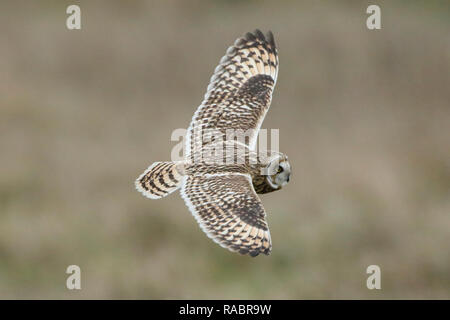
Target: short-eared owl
x=222, y=195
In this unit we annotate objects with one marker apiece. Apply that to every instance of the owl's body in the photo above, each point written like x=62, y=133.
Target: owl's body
x=221, y=174
x=235, y=157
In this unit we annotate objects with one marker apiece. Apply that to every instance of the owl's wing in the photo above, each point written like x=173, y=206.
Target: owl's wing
x=228, y=211
x=239, y=93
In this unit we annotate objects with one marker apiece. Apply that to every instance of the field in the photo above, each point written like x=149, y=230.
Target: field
x=364, y=117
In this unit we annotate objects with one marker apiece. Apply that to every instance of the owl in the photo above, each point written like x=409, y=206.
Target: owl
x=221, y=176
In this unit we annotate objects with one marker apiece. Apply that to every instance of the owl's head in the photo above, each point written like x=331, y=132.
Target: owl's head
x=279, y=171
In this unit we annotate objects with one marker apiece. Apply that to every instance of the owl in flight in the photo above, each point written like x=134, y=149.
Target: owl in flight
x=220, y=177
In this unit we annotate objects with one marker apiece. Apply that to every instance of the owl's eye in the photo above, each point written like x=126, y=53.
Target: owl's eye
x=280, y=169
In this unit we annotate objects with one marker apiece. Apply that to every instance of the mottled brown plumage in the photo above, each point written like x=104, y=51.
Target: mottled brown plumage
x=222, y=172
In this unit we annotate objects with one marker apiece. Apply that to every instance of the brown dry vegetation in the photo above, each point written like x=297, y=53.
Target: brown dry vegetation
x=363, y=115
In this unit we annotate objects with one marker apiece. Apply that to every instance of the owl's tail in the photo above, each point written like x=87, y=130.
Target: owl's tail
x=160, y=179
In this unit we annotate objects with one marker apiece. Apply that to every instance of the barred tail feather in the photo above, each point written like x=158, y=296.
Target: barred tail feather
x=160, y=179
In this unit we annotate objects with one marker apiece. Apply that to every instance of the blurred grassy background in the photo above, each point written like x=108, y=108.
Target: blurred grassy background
x=364, y=118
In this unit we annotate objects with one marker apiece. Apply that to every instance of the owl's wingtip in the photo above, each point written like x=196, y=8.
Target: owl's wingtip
x=258, y=35
x=270, y=38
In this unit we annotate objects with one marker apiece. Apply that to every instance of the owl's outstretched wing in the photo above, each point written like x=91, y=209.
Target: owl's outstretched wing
x=239, y=93
x=228, y=211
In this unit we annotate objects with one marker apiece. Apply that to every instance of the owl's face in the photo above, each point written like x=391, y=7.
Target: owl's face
x=279, y=172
